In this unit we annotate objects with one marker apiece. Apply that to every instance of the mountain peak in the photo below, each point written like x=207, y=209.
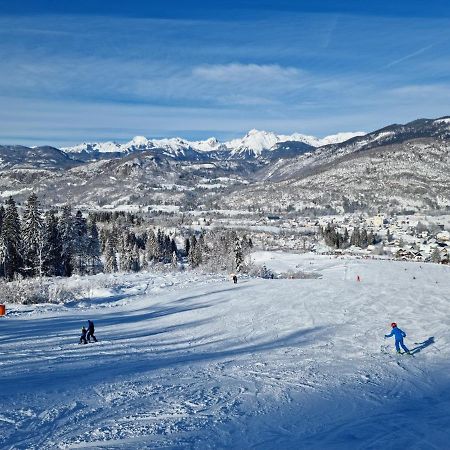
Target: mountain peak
x=253, y=144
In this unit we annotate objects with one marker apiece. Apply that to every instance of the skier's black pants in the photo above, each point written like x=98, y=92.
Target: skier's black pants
x=91, y=335
x=83, y=340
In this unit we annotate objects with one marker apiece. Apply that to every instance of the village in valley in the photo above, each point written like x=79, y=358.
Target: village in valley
x=416, y=237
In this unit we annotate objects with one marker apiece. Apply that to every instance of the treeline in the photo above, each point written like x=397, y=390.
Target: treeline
x=218, y=250
x=38, y=244
x=341, y=239
x=127, y=251
x=63, y=243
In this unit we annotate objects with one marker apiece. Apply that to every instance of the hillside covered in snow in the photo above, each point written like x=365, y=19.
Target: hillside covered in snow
x=189, y=360
x=397, y=169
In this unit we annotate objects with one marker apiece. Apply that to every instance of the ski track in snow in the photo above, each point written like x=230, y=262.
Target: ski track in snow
x=191, y=361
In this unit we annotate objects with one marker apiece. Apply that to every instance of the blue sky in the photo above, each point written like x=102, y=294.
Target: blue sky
x=106, y=70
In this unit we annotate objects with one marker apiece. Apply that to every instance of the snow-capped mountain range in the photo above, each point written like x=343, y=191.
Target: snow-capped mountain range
x=253, y=144
x=401, y=166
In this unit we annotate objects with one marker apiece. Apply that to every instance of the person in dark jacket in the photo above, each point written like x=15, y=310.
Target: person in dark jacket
x=83, y=336
x=399, y=335
x=235, y=279
x=91, y=331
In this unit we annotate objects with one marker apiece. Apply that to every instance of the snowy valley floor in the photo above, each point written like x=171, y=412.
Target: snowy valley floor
x=192, y=361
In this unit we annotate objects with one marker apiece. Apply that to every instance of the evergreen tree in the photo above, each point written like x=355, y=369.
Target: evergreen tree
x=345, y=238
x=151, y=246
x=93, y=247
x=355, y=239
x=167, y=249
x=389, y=236
x=33, y=227
x=11, y=242
x=173, y=246
x=110, y=257
x=104, y=235
x=187, y=245
x=67, y=239
x=194, y=253
x=436, y=255
x=364, y=240
x=2, y=217
x=52, y=246
x=80, y=243
x=238, y=255
x=135, y=259
x=126, y=259
x=174, y=260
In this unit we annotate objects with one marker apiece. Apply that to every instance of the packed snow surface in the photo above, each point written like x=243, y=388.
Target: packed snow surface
x=193, y=361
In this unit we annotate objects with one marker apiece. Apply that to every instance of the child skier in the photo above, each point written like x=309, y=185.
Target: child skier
x=91, y=330
x=399, y=335
x=83, y=336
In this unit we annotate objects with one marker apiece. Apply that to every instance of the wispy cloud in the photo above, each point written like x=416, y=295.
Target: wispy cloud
x=409, y=56
x=73, y=78
x=247, y=72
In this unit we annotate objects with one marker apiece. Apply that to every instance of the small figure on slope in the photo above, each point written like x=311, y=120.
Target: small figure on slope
x=91, y=331
x=83, y=336
x=399, y=335
x=234, y=278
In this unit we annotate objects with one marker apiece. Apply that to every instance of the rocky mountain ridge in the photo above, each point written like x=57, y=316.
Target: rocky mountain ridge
x=254, y=144
x=397, y=167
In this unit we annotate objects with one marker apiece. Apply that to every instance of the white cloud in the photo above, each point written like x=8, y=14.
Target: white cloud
x=244, y=72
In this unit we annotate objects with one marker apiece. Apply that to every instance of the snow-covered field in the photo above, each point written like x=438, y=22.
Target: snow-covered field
x=192, y=361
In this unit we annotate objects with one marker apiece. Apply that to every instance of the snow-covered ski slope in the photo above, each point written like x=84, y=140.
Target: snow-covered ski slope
x=192, y=361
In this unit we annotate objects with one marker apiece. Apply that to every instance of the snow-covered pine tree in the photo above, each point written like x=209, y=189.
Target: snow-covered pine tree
x=389, y=236
x=173, y=246
x=52, y=246
x=67, y=239
x=345, y=238
x=187, y=245
x=93, y=247
x=2, y=217
x=80, y=243
x=126, y=259
x=193, y=252
x=364, y=240
x=355, y=238
x=174, y=260
x=32, y=234
x=159, y=245
x=151, y=246
x=104, y=234
x=167, y=249
x=436, y=255
x=135, y=259
x=11, y=242
x=110, y=257
x=238, y=255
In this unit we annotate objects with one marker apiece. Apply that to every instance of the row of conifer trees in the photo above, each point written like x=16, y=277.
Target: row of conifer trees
x=63, y=243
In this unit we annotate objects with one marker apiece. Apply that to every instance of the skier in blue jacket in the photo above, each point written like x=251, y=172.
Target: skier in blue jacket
x=399, y=335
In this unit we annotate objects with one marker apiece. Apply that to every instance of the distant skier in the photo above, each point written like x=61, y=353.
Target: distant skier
x=399, y=335
x=83, y=336
x=91, y=331
x=234, y=279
